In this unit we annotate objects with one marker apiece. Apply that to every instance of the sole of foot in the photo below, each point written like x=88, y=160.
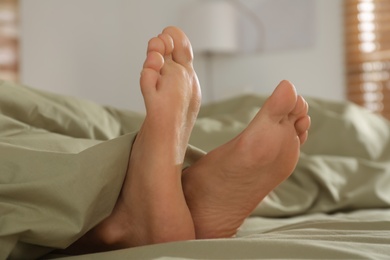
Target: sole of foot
x=223, y=187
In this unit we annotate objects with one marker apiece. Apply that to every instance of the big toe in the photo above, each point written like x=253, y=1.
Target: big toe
x=281, y=102
x=182, y=50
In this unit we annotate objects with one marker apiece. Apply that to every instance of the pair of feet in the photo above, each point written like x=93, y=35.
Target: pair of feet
x=211, y=199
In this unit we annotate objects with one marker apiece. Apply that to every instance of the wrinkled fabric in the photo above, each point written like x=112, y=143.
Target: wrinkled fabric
x=63, y=161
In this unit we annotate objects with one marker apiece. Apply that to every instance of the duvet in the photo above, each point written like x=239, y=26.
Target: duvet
x=63, y=161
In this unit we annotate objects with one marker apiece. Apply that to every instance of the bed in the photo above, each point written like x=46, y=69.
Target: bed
x=63, y=160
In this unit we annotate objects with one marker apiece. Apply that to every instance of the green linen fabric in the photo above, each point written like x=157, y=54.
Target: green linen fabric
x=63, y=161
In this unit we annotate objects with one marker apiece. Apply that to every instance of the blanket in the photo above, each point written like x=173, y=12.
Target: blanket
x=63, y=161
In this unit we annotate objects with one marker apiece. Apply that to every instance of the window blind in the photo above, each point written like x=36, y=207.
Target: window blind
x=9, y=40
x=367, y=45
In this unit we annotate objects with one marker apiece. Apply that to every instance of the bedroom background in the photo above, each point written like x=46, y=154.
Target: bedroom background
x=95, y=50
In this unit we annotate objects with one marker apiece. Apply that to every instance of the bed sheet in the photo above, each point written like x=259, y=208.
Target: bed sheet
x=362, y=234
x=63, y=160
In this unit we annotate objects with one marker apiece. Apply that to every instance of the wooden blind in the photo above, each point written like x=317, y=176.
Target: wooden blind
x=367, y=45
x=9, y=40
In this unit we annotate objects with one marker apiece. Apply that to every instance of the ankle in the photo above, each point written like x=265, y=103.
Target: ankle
x=99, y=239
x=111, y=235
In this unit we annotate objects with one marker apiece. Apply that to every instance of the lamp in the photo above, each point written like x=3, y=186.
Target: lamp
x=212, y=27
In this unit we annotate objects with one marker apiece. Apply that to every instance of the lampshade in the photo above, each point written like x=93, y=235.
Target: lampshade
x=211, y=26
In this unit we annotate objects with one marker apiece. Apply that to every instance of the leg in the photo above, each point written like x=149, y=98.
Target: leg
x=151, y=207
x=224, y=186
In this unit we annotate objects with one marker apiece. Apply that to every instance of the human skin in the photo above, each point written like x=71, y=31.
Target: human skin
x=158, y=202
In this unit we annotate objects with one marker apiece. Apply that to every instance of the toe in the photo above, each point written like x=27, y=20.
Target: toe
x=301, y=108
x=151, y=73
x=168, y=44
x=302, y=126
x=156, y=45
x=303, y=137
x=282, y=101
x=148, y=81
x=154, y=60
x=182, y=51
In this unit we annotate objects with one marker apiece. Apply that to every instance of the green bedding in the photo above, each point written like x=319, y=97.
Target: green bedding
x=63, y=160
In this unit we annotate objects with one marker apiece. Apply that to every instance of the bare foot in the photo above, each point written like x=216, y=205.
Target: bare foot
x=151, y=207
x=225, y=186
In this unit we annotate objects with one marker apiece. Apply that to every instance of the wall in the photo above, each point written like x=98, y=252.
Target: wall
x=316, y=71
x=95, y=50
